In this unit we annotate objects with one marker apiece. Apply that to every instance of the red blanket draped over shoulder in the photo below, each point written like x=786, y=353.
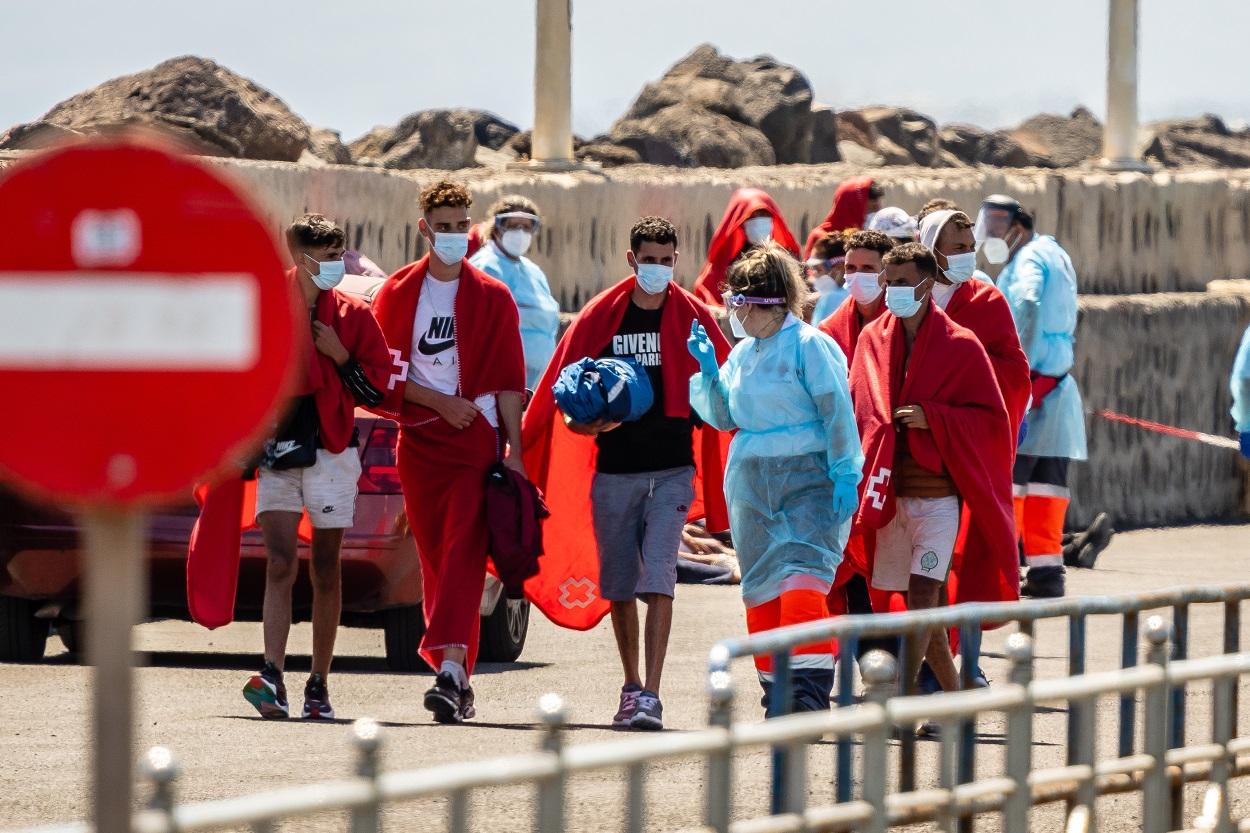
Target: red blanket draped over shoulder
x=980, y=307
x=227, y=508
x=845, y=324
x=729, y=239
x=562, y=463
x=950, y=378
x=850, y=207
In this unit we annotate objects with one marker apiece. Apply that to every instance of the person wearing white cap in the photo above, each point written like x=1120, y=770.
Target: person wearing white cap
x=894, y=223
x=514, y=224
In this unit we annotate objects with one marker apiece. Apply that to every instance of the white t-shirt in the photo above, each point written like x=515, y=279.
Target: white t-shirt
x=434, y=359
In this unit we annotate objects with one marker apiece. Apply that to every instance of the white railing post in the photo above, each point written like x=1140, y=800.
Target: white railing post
x=158, y=768
x=551, y=789
x=1020, y=736
x=720, y=763
x=879, y=672
x=1156, y=798
x=365, y=737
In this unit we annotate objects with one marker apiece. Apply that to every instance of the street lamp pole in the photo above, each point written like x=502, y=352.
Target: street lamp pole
x=1120, y=132
x=552, y=141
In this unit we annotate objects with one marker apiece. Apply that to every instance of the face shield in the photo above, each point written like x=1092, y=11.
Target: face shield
x=993, y=224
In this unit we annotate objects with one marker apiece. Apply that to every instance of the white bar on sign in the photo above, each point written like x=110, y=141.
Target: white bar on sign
x=128, y=321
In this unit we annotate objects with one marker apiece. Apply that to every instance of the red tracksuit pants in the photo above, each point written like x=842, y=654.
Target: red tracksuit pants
x=443, y=474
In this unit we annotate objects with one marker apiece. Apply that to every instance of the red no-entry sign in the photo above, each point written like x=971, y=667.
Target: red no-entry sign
x=146, y=327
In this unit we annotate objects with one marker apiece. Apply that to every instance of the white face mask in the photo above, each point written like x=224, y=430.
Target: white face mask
x=735, y=325
x=902, y=300
x=450, y=246
x=825, y=284
x=329, y=273
x=960, y=267
x=516, y=241
x=864, y=286
x=653, y=278
x=758, y=229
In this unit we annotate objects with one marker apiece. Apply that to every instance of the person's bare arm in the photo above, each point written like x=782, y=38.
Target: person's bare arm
x=510, y=403
x=457, y=412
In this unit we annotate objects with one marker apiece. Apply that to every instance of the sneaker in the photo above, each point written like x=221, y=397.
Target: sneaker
x=1043, y=583
x=648, y=712
x=467, y=710
x=317, y=699
x=979, y=680
x=1083, y=548
x=443, y=699
x=267, y=693
x=629, y=705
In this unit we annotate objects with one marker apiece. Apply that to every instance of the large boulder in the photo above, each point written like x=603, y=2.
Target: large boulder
x=213, y=110
x=1067, y=141
x=1202, y=142
x=608, y=155
x=974, y=146
x=490, y=130
x=707, y=91
x=824, y=135
x=687, y=136
x=439, y=139
x=327, y=145
x=915, y=133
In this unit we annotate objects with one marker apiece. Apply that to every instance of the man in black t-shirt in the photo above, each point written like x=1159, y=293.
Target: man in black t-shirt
x=644, y=471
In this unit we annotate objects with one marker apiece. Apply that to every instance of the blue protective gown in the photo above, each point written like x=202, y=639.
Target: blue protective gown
x=1040, y=286
x=788, y=399
x=828, y=302
x=540, y=312
x=1240, y=385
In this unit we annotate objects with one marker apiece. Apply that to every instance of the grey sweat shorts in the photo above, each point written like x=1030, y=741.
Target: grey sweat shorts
x=638, y=520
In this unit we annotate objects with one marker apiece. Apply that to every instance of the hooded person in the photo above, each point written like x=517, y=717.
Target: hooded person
x=854, y=203
x=794, y=462
x=861, y=274
x=629, y=486
x=894, y=223
x=514, y=224
x=459, y=410
x=825, y=273
x=751, y=218
x=1039, y=283
x=935, y=433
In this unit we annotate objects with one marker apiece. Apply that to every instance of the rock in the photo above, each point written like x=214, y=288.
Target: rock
x=484, y=157
x=35, y=135
x=439, y=139
x=608, y=155
x=521, y=144
x=1202, y=142
x=974, y=146
x=892, y=153
x=915, y=133
x=212, y=109
x=857, y=154
x=824, y=135
x=759, y=97
x=490, y=130
x=688, y=136
x=1065, y=141
x=327, y=145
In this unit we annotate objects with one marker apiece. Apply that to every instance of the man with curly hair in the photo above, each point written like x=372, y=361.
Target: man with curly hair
x=459, y=332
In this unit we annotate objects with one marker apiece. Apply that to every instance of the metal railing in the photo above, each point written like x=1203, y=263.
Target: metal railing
x=969, y=620
x=1156, y=771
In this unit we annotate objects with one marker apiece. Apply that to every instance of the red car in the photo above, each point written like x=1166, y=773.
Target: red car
x=40, y=566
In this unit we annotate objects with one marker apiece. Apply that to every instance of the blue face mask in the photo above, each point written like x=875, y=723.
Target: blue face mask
x=654, y=277
x=902, y=301
x=450, y=246
x=959, y=268
x=329, y=273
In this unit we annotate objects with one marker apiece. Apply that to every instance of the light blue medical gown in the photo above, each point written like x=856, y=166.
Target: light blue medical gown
x=1040, y=286
x=540, y=312
x=828, y=302
x=787, y=396
x=1240, y=385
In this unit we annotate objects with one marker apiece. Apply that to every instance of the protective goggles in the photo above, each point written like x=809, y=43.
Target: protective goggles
x=517, y=215
x=738, y=301
x=818, y=266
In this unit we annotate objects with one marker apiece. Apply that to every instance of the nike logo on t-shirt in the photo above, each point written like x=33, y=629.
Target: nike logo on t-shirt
x=443, y=329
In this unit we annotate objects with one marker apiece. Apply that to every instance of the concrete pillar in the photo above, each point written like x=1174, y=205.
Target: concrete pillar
x=553, y=85
x=1120, y=133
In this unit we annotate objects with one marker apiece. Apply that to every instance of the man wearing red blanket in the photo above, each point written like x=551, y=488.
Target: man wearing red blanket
x=630, y=487
x=935, y=433
x=460, y=412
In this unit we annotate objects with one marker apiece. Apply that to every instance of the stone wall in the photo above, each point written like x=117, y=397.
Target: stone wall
x=1164, y=358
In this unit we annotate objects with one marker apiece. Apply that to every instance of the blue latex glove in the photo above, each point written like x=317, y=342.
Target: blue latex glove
x=1024, y=431
x=700, y=346
x=845, y=499
x=1245, y=444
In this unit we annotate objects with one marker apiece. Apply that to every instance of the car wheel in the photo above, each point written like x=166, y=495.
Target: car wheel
x=504, y=630
x=22, y=636
x=403, y=629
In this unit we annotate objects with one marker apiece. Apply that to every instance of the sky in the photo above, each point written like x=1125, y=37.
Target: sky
x=351, y=66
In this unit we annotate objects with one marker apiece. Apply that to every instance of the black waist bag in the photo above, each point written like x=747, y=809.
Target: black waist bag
x=295, y=444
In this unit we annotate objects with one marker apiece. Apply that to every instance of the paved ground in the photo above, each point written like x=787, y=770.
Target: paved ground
x=190, y=701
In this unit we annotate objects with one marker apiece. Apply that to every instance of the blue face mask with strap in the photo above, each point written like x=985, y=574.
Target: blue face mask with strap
x=329, y=273
x=902, y=300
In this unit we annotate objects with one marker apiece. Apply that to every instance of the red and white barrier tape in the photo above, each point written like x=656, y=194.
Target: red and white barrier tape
x=1169, y=430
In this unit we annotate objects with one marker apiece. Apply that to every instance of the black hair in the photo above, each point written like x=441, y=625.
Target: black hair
x=652, y=230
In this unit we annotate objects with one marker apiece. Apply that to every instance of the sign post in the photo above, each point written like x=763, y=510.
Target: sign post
x=147, y=339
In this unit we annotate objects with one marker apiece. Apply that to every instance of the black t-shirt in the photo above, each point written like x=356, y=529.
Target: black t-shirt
x=655, y=442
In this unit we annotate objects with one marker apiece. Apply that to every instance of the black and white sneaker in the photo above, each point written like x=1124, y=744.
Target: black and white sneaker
x=267, y=693
x=444, y=700
x=648, y=712
x=317, y=699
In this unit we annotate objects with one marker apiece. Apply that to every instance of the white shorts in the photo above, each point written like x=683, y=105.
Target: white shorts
x=327, y=489
x=918, y=541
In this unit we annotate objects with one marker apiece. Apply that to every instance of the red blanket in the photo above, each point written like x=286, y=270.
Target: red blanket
x=228, y=508
x=850, y=207
x=845, y=324
x=950, y=377
x=729, y=240
x=562, y=463
x=980, y=307
x=488, y=342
